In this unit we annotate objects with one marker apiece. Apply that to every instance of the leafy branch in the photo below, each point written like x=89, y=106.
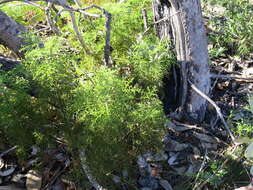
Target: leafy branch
x=83, y=11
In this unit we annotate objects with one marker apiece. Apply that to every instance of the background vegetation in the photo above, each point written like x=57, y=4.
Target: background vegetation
x=114, y=114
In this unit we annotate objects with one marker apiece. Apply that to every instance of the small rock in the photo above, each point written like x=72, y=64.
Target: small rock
x=172, y=145
x=19, y=179
x=35, y=150
x=142, y=162
x=205, y=138
x=58, y=185
x=180, y=170
x=125, y=173
x=1, y=163
x=7, y=172
x=196, y=151
x=158, y=157
x=10, y=187
x=193, y=169
x=116, y=179
x=165, y=184
x=172, y=159
x=149, y=182
x=33, y=181
x=209, y=146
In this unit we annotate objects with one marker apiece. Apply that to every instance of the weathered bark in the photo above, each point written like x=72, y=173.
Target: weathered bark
x=181, y=21
x=11, y=34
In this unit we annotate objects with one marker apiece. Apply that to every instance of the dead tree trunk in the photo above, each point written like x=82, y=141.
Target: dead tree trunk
x=181, y=21
x=11, y=34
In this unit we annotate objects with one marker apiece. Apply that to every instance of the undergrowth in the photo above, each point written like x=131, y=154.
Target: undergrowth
x=232, y=31
x=114, y=114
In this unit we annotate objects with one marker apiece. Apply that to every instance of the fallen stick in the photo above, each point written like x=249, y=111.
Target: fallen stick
x=216, y=108
x=7, y=151
x=88, y=173
x=231, y=77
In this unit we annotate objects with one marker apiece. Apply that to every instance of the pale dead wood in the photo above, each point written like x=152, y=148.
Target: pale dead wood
x=231, y=77
x=216, y=108
x=51, y=23
x=145, y=18
x=87, y=171
x=200, y=169
x=181, y=21
x=7, y=151
x=78, y=34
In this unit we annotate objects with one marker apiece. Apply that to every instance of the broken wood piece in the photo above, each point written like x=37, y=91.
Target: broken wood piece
x=178, y=127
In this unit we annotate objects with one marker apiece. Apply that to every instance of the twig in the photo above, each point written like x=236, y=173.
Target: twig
x=7, y=151
x=167, y=18
x=156, y=22
x=78, y=34
x=29, y=3
x=57, y=174
x=78, y=3
x=107, y=47
x=215, y=82
x=145, y=18
x=51, y=23
x=231, y=77
x=200, y=186
x=216, y=107
x=66, y=7
x=200, y=169
x=87, y=171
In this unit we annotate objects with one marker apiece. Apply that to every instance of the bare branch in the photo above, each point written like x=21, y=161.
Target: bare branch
x=107, y=48
x=248, y=79
x=7, y=151
x=78, y=34
x=78, y=3
x=145, y=18
x=71, y=10
x=216, y=108
x=51, y=23
x=87, y=171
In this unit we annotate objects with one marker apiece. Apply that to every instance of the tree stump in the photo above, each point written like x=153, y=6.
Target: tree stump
x=11, y=34
x=181, y=21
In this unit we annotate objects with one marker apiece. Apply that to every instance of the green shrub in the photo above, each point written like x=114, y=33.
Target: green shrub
x=114, y=114
x=108, y=115
x=234, y=30
x=23, y=14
